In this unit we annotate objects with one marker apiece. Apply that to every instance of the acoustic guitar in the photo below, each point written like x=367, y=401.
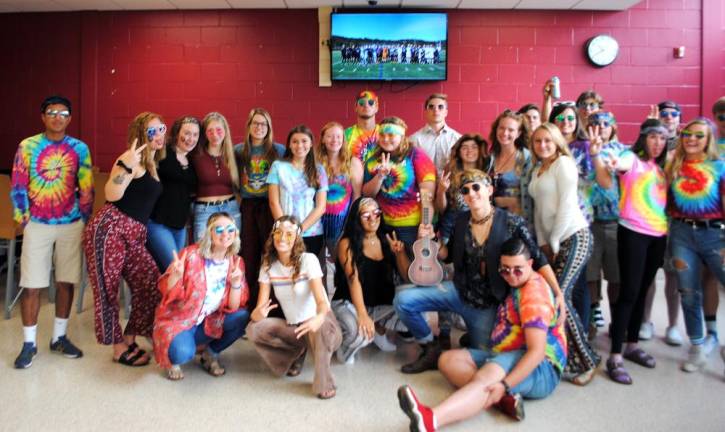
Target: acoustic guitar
x=425, y=270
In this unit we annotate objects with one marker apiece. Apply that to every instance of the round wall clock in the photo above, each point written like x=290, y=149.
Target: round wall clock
x=602, y=50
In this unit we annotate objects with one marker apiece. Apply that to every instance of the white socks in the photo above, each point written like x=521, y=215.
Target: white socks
x=60, y=327
x=29, y=334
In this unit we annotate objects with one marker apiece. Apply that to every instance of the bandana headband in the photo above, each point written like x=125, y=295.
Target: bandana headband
x=367, y=94
x=654, y=129
x=393, y=129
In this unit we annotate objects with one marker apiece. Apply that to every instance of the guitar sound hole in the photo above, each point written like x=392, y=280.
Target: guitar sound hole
x=425, y=253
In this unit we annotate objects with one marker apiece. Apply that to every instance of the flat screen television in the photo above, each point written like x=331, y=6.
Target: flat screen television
x=389, y=46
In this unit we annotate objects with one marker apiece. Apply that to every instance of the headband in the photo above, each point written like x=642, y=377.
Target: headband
x=603, y=115
x=367, y=94
x=391, y=128
x=654, y=129
x=278, y=224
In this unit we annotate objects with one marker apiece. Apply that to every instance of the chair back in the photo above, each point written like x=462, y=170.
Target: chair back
x=8, y=227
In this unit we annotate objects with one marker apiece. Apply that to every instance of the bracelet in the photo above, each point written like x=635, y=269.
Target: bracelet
x=124, y=166
x=506, y=387
x=236, y=287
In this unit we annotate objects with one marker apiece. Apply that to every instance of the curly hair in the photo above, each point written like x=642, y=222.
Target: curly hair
x=137, y=131
x=405, y=145
x=269, y=256
x=355, y=233
x=455, y=164
x=205, y=245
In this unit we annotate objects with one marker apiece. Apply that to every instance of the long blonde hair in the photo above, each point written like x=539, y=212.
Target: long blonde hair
x=137, y=131
x=205, y=241
x=227, y=146
x=672, y=171
x=561, y=145
x=270, y=252
x=343, y=157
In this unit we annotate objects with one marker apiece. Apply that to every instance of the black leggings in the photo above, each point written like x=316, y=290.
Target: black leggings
x=640, y=256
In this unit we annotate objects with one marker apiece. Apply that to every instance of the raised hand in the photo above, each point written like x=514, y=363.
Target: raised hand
x=548, y=88
x=176, y=267
x=396, y=245
x=236, y=277
x=595, y=140
x=132, y=157
x=384, y=167
x=654, y=112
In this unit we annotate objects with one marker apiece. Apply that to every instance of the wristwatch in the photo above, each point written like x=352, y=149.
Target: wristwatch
x=123, y=165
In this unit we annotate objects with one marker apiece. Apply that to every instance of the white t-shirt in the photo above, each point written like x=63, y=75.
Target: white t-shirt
x=216, y=280
x=297, y=301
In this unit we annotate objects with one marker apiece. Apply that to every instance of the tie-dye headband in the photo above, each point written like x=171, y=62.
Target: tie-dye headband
x=603, y=115
x=393, y=129
x=367, y=94
x=654, y=129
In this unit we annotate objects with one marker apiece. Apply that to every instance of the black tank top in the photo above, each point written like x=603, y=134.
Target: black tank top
x=376, y=278
x=140, y=197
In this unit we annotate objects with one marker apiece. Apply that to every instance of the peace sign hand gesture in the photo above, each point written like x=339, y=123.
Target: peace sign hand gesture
x=132, y=157
x=384, y=167
x=396, y=245
x=595, y=140
x=176, y=268
x=445, y=182
x=265, y=308
x=236, y=277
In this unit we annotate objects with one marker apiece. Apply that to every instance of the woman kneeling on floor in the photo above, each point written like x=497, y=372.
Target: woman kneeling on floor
x=204, y=298
x=526, y=360
x=296, y=278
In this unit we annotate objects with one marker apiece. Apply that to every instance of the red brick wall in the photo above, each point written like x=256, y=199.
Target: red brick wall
x=114, y=65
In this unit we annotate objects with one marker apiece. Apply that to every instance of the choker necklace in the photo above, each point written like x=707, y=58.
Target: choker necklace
x=483, y=220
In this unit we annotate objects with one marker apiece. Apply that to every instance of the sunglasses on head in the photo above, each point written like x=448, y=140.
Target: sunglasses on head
x=687, y=134
x=590, y=105
x=368, y=215
x=672, y=114
x=370, y=102
x=440, y=107
x=152, y=131
x=55, y=113
x=507, y=271
x=286, y=235
x=231, y=228
x=475, y=187
x=561, y=117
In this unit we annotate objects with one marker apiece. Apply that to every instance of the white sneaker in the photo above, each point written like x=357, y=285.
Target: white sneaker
x=646, y=331
x=672, y=336
x=695, y=359
x=382, y=342
x=710, y=345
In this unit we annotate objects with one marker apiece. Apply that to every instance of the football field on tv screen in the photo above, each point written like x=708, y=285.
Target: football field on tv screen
x=387, y=71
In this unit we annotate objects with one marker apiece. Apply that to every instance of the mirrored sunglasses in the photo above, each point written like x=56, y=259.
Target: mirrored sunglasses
x=152, y=131
x=231, y=228
x=55, y=113
x=374, y=214
x=517, y=271
x=362, y=101
x=672, y=114
x=687, y=134
x=561, y=117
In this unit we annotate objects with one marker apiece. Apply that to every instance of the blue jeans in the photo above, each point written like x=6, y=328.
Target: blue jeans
x=581, y=299
x=162, y=240
x=537, y=385
x=183, y=347
x=691, y=248
x=411, y=303
x=203, y=211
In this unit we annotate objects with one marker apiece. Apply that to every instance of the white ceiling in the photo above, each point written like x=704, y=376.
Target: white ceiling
x=106, y=5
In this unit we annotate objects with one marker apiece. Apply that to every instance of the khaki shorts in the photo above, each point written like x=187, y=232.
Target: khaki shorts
x=604, y=256
x=37, y=256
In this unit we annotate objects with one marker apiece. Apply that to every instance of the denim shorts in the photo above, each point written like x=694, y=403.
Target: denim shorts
x=538, y=385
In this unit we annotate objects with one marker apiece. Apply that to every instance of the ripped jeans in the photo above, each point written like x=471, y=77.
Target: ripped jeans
x=691, y=248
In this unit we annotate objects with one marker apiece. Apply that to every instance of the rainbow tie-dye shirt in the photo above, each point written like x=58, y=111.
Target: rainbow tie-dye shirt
x=398, y=196
x=697, y=191
x=643, y=196
x=339, y=197
x=361, y=143
x=531, y=306
x=52, y=181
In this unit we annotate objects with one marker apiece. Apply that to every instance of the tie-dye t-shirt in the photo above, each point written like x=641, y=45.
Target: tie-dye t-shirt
x=52, y=181
x=587, y=177
x=697, y=192
x=254, y=177
x=605, y=202
x=339, y=197
x=643, y=196
x=398, y=196
x=361, y=143
x=296, y=197
x=721, y=147
x=531, y=306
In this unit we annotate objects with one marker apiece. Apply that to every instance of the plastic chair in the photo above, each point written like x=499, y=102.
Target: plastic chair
x=9, y=233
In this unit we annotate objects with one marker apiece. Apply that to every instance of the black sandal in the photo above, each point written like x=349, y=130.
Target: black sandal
x=128, y=358
x=296, y=367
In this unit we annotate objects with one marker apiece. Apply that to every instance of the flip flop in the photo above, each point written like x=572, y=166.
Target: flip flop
x=128, y=358
x=640, y=357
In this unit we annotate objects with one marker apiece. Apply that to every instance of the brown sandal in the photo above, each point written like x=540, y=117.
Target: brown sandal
x=296, y=367
x=211, y=364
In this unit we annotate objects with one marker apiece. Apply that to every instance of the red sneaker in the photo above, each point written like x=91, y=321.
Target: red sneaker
x=421, y=417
